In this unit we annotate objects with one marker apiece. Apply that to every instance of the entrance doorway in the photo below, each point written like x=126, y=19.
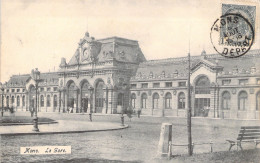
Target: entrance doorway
x=202, y=106
x=202, y=97
x=84, y=104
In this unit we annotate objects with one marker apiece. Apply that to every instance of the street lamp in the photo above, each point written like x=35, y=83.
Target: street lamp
x=91, y=89
x=2, y=89
x=36, y=77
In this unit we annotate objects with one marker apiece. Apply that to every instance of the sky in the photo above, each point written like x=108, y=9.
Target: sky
x=38, y=33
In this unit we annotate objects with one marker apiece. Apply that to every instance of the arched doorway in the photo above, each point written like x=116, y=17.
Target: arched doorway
x=202, y=97
x=99, y=96
x=71, y=100
x=85, y=97
x=32, y=97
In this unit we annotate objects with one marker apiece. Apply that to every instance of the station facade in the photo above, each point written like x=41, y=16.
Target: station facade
x=110, y=75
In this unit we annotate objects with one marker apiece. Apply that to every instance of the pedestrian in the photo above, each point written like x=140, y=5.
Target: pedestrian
x=139, y=112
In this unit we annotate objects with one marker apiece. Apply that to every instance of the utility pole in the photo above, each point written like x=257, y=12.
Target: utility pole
x=189, y=109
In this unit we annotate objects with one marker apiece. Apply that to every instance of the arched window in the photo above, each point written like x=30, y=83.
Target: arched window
x=181, y=101
x=23, y=101
x=258, y=101
x=48, y=100
x=168, y=99
x=120, y=99
x=18, y=101
x=202, y=85
x=242, y=101
x=12, y=100
x=133, y=98
x=99, y=96
x=226, y=100
x=55, y=101
x=155, y=101
x=143, y=100
x=42, y=101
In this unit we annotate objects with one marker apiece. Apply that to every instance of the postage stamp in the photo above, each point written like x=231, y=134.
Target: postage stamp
x=232, y=35
x=247, y=11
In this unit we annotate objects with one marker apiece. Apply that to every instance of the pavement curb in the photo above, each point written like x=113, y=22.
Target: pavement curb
x=63, y=132
x=39, y=123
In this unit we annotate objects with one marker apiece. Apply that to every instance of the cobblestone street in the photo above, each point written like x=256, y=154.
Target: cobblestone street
x=137, y=143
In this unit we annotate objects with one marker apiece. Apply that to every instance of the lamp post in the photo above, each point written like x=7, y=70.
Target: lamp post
x=36, y=77
x=2, y=89
x=91, y=89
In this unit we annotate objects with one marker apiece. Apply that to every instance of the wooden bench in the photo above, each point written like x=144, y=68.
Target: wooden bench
x=246, y=134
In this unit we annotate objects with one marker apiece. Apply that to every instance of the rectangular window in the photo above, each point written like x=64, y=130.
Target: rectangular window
x=23, y=90
x=144, y=85
x=48, y=89
x=168, y=84
x=18, y=90
x=55, y=88
x=156, y=85
x=42, y=89
x=182, y=84
x=243, y=81
x=226, y=82
x=12, y=90
x=7, y=90
x=133, y=85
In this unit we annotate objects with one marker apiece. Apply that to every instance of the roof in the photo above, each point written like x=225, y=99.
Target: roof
x=120, y=49
x=177, y=67
x=50, y=78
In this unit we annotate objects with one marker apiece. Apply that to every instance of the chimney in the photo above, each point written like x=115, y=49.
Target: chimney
x=235, y=70
x=252, y=70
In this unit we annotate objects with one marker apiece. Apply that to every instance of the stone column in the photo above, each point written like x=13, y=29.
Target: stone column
x=77, y=99
x=80, y=101
x=161, y=111
x=110, y=101
x=45, y=101
x=106, y=100
x=59, y=100
x=104, y=109
x=65, y=100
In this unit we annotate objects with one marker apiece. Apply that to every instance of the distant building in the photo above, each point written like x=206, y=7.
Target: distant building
x=112, y=74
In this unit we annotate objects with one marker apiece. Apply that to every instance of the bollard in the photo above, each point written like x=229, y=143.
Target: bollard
x=165, y=139
x=211, y=148
x=122, y=120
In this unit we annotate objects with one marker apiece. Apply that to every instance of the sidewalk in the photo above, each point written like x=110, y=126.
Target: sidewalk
x=61, y=127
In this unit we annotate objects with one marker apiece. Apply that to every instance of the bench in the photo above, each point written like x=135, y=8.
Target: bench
x=246, y=134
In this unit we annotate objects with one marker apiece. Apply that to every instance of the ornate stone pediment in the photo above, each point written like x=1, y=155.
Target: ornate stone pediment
x=90, y=48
